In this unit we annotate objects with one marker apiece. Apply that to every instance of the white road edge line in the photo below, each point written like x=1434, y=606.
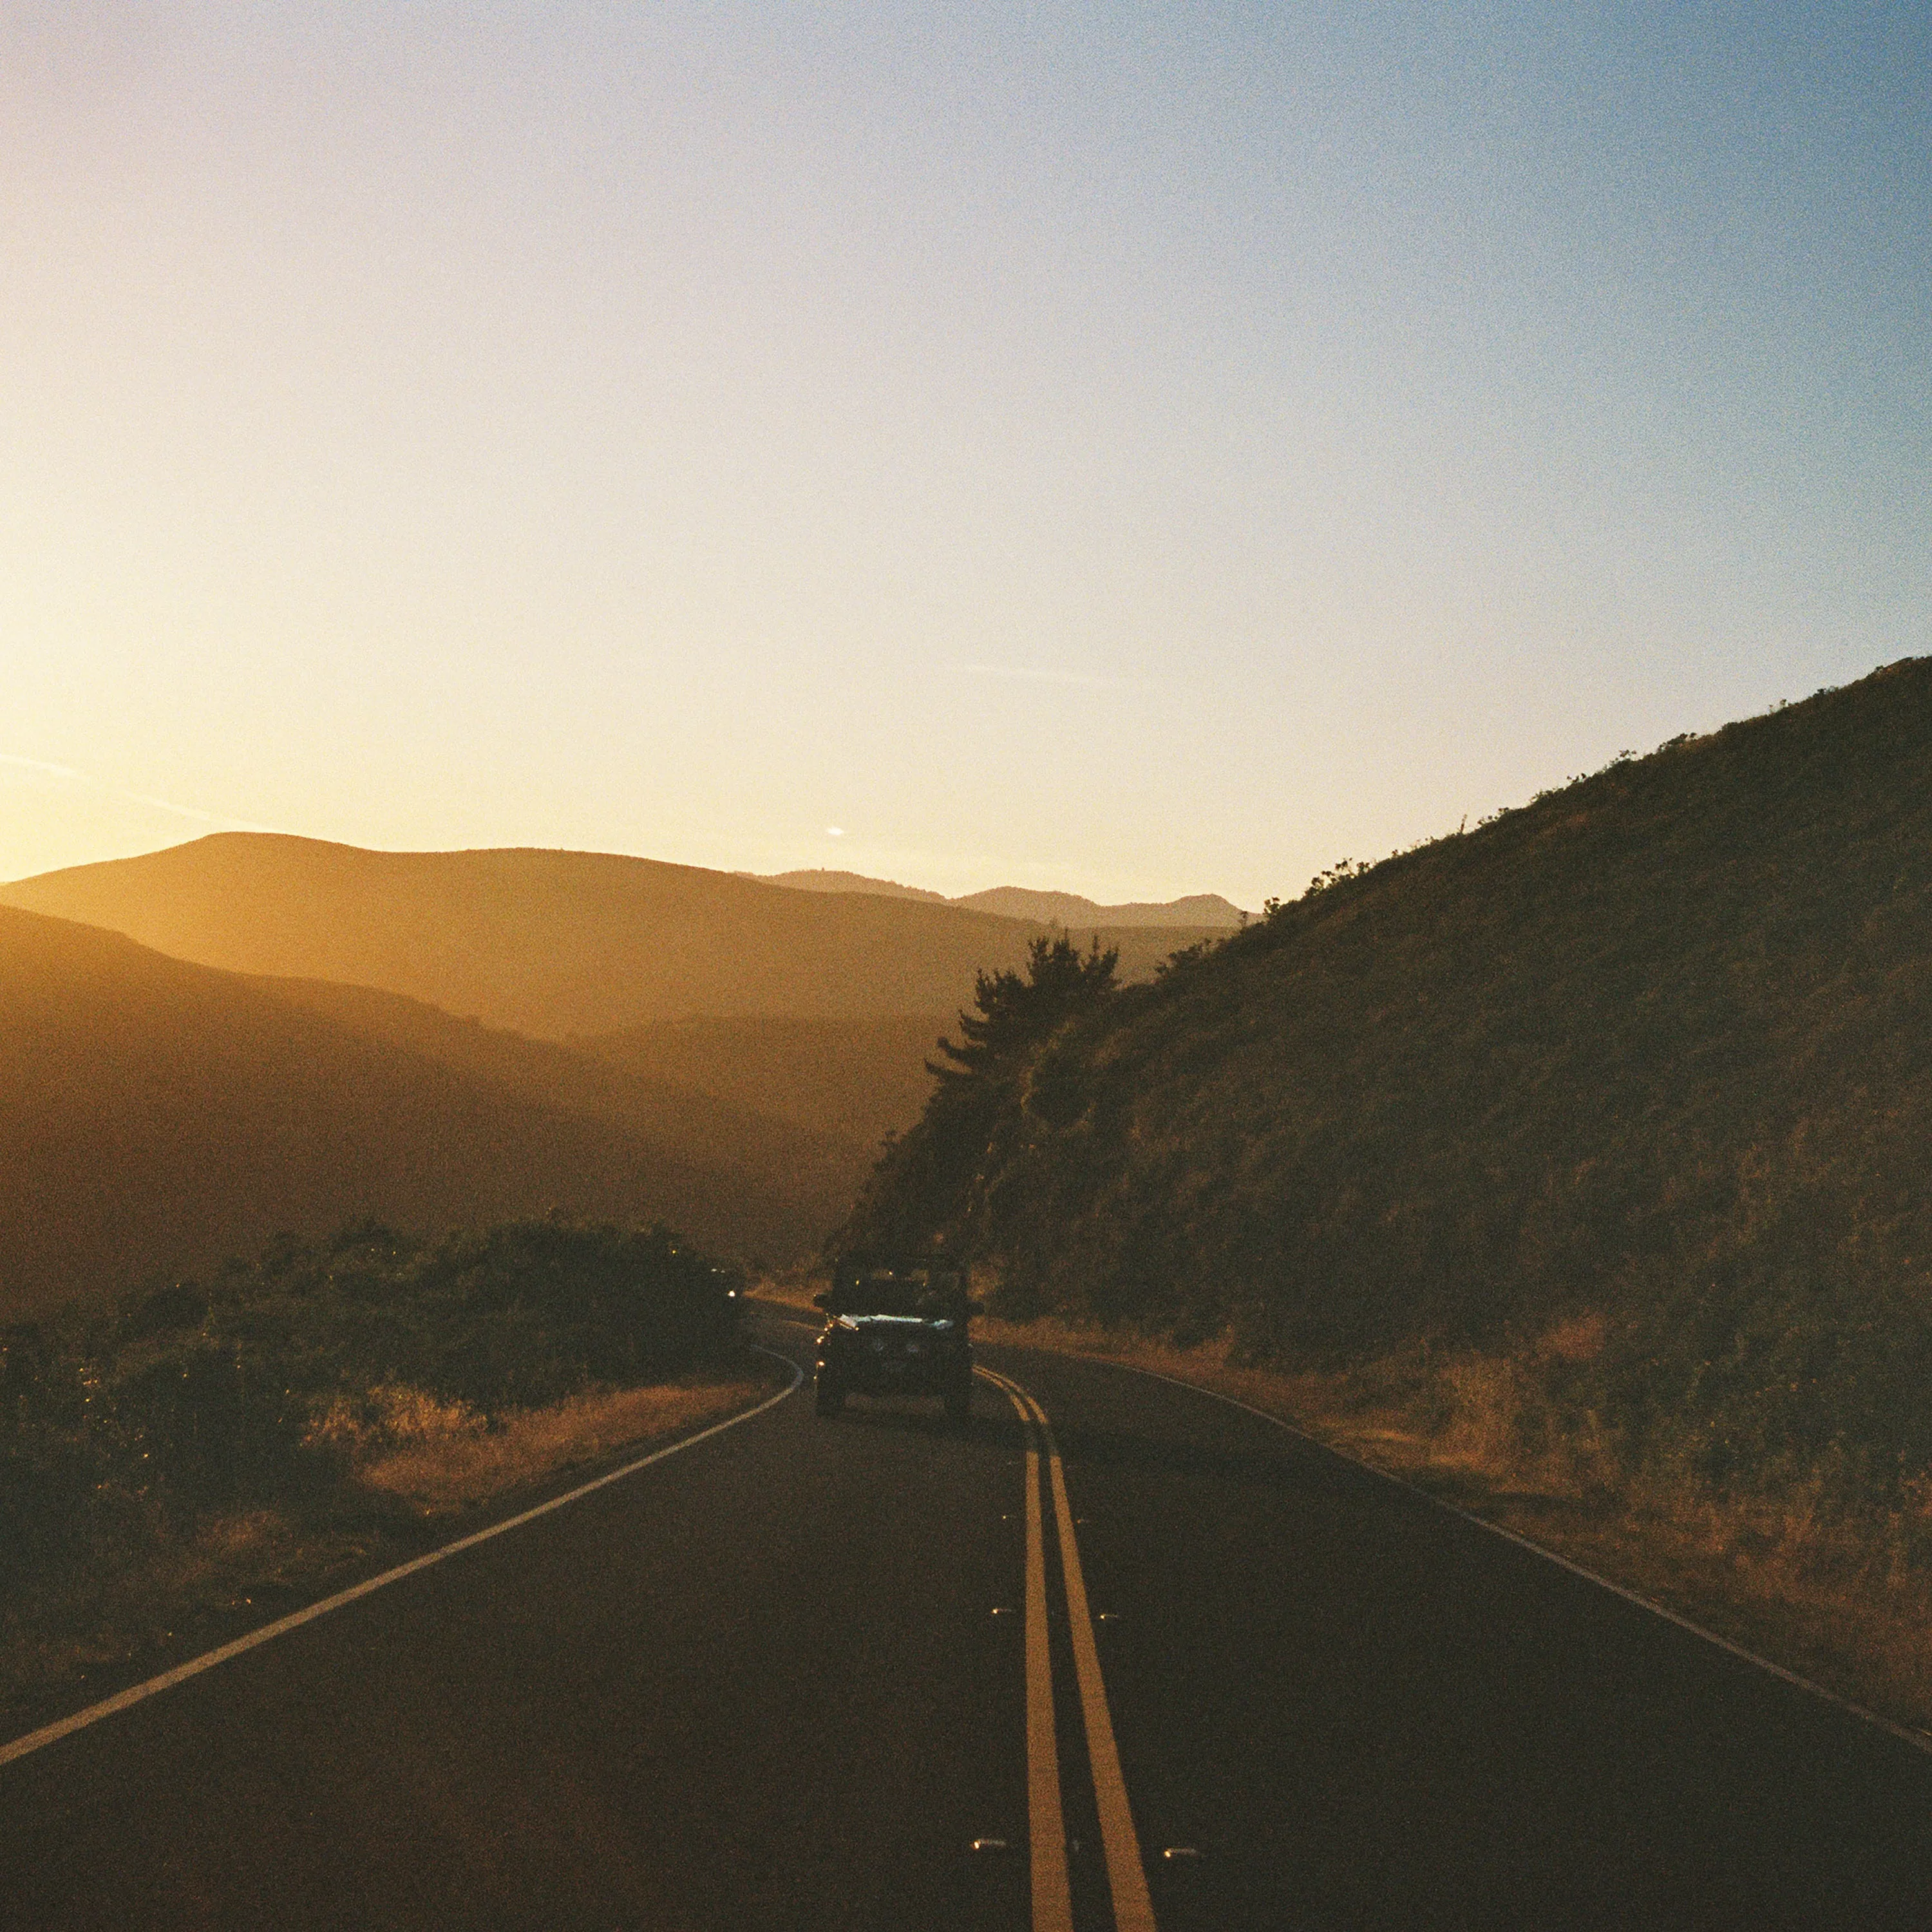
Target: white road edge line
x=65, y=1726
x=1920, y=1741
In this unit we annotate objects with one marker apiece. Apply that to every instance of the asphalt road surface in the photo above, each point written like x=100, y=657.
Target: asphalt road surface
x=762, y=1682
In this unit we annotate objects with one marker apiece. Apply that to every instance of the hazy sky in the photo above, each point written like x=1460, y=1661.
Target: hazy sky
x=1134, y=449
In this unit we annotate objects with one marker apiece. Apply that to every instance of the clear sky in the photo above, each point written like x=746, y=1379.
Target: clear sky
x=1130, y=449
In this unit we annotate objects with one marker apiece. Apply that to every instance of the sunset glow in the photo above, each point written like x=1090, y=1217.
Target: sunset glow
x=1123, y=451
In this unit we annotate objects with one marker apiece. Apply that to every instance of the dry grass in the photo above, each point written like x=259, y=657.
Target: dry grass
x=130, y=1609
x=413, y=1460
x=1844, y=1599
x=448, y=1460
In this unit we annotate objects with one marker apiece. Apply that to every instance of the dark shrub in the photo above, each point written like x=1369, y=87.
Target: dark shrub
x=192, y=1399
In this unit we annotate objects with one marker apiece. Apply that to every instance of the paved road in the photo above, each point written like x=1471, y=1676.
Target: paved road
x=761, y=1684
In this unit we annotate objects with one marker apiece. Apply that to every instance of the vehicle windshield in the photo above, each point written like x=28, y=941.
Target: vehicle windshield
x=897, y=1294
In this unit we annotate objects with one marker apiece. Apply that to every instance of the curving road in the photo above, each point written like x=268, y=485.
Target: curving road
x=762, y=1682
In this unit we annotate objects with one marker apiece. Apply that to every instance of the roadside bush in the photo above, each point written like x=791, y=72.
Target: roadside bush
x=193, y=1398
x=196, y=1424
x=48, y=1469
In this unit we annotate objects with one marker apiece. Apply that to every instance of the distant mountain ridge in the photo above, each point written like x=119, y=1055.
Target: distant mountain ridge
x=1070, y=909
x=821, y=879
x=551, y=944
x=1200, y=910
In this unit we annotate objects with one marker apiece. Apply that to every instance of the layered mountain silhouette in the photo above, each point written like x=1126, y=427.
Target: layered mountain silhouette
x=552, y=944
x=157, y=1116
x=206, y=1045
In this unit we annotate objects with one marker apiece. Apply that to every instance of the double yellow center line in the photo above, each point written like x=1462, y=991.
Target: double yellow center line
x=1126, y=1877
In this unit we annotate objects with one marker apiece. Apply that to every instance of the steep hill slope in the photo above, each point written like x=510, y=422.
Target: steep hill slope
x=1657, y=1047
x=551, y=944
x=157, y=1115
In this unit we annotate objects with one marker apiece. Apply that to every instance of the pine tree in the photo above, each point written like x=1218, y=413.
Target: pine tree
x=922, y=1196
x=1017, y=1014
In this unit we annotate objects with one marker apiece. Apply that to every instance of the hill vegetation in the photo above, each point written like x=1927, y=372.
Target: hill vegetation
x=1632, y=1087
x=546, y=944
x=156, y=1116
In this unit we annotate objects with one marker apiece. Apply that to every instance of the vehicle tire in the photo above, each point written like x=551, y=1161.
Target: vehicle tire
x=829, y=1396
x=959, y=1405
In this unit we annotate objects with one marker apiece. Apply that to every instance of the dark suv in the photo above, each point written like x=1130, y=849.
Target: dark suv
x=895, y=1334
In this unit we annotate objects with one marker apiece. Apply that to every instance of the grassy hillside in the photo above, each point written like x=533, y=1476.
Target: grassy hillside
x=549, y=944
x=156, y=1115
x=1646, y=1065
x=856, y=1079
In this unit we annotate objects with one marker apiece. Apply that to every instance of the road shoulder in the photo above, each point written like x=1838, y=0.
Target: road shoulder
x=1859, y=1641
